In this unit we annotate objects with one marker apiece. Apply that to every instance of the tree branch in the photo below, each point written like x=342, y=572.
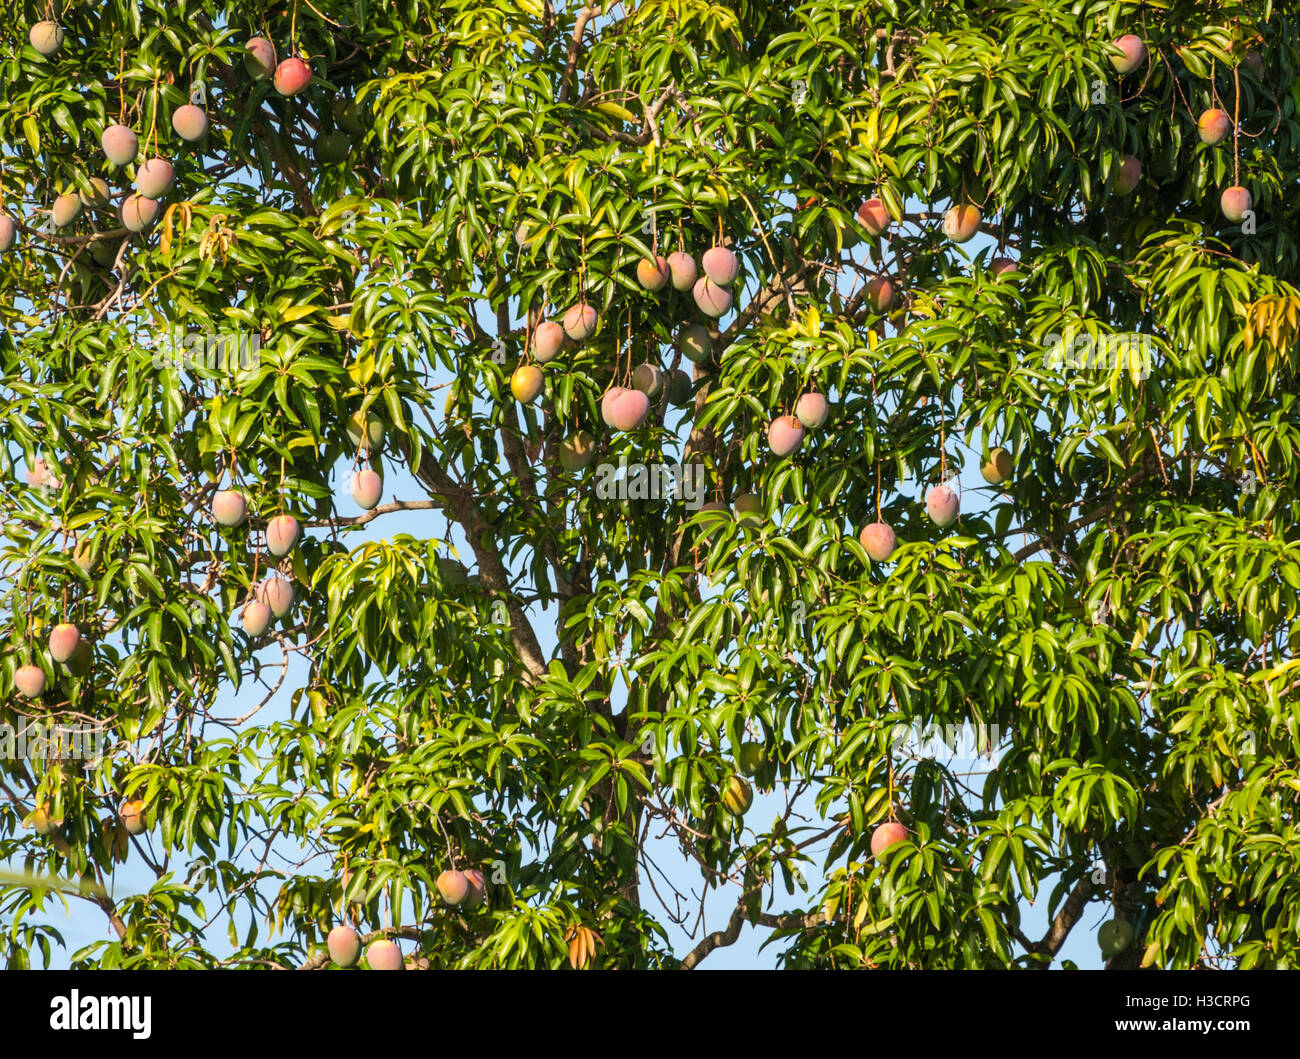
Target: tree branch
x=575, y=46
x=457, y=500
x=1066, y=917
x=719, y=938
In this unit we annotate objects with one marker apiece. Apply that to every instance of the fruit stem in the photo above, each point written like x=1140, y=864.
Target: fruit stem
x=325, y=17
x=151, y=137
x=628, y=371
x=1236, y=132
x=892, y=814
x=943, y=444
x=582, y=267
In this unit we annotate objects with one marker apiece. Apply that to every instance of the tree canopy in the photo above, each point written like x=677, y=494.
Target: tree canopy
x=624, y=589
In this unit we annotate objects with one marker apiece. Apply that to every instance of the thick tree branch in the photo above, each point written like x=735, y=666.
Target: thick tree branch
x=649, y=127
x=458, y=502
x=1066, y=917
x=575, y=47
x=766, y=299
x=548, y=29
x=719, y=938
x=374, y=513
x=792, y=920
x=106, y=903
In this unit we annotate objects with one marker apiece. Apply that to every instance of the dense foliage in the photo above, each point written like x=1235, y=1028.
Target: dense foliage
x=538, y=680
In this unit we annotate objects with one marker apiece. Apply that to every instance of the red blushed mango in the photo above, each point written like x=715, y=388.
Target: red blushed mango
x=713, y=300
x=1130, y=172
x=878, y=541
x=190, y=122
x=255, y=617
x=66, y=209
x=880, y=293
x=344, y=946
x=1132, y=54
x=277, y=593
x=1236, y=202
x=292, y=76
x=384, y=955
x=155, y=178
x=229, y=508
x=137, y=212
x=624, y=409
x=874, y=216
x=366, y=488
x=683, y=269
x=30, y=681
x=961, y=223
x=721, y=266
x=259, y=58
x=477, y=887
x=580, y=322
x=1213, y=126
x=785, y=435
x=120, y=144
x=885, y=836
x=812, y=410
x=548, y=340
x=65, y=638
x=282, y=534
x=653, y=275
x=453, y=886
x=942, y=505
